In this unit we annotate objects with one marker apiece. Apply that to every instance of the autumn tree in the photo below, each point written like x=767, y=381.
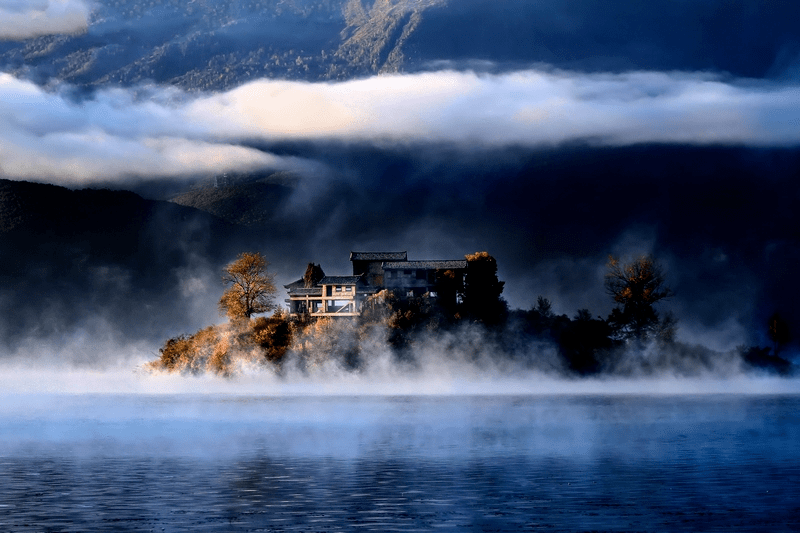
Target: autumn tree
x=482, y=300
x=636, y=287
x=313, y=275
x=251, y=290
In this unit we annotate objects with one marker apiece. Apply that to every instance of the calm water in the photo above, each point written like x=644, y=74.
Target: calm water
x=560, y=463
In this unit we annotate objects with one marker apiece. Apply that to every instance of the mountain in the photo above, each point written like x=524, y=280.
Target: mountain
x=212, y=45
x=247, y=200
x=67, y=256
x=209, y=45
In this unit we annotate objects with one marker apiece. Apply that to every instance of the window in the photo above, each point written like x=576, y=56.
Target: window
x=338, y=289
x=348, y=289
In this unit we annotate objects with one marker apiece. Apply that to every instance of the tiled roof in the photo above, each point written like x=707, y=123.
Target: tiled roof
x=425, y=265
x=370, y=290
x=378, y=256
x=295, y=284
x=340, y=280
x=302, y=291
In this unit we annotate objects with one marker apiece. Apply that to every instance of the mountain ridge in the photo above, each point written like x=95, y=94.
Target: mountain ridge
x=72, y=256
x=214, y=46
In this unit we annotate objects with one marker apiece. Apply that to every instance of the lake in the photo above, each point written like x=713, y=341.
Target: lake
x=248, y=462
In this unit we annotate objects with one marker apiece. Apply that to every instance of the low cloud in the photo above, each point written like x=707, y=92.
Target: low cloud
x=531, y=107
x=23, y=19
x=119, y=133
x=115, y=135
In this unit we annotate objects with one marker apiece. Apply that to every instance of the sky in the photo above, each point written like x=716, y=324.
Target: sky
x=671, y=128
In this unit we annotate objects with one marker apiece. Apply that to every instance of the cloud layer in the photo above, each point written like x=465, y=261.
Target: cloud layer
x=119, y=133
x=531, y=107
x=46, y=136
x=23, y=19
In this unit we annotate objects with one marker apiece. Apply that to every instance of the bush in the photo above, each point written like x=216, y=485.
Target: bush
x=218, y=348
x=273, y=335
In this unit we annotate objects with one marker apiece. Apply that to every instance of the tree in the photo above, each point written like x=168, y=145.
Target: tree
x=636, y=287
x=584, y=341
x=482, y=290
x=448, y=286
x=779, y=332
x=313, y=275
x=252, y=289
x=544, y=307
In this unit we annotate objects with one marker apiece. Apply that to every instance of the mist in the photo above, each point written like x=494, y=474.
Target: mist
x=31, y=380
x=23, y=19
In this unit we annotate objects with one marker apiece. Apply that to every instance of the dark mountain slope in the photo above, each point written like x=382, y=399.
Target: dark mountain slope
x=72, y=255
x=247, y=201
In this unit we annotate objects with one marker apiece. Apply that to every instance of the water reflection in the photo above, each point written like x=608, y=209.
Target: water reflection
x=474, y=464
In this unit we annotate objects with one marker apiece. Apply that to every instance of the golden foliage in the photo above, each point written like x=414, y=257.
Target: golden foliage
x=219, y=349
x=327, y=339
x=479, y=256
x=188, y=354
x=251, y=289
x=273, y=335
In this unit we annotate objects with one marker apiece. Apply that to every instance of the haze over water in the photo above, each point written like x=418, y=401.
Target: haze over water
x=253, y=455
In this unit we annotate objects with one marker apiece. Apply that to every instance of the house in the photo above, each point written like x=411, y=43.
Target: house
x=338, y=296
x=419, y=278
x=370, y=264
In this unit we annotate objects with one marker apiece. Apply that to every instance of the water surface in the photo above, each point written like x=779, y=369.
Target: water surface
x=188, y=462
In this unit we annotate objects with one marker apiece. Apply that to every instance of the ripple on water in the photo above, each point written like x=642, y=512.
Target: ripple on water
x=561, y=464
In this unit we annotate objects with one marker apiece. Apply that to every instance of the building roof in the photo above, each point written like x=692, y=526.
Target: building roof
x=302, y=291
x=425, y=265
x=300, y=283
x=340, y=280
x=378, y=256
x=370, y=290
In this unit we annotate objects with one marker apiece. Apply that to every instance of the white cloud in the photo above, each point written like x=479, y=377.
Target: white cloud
x=120, y=132
x=22, y=19
x=46, y=137
x=526, y=107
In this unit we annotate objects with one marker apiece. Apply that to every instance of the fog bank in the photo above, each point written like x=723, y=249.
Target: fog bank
x=23, y=380
x=449, y=364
